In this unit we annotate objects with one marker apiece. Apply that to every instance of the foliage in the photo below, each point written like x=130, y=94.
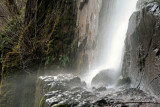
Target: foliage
x=9, y=56
x=64, y=60
x=58, y=32
x=48, y=60
x=44, y=39
x=9, y=35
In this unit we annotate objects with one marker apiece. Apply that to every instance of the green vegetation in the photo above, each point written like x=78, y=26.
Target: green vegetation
x=9, y=55
x=9, y=58
x=59, y=33
x=61, y=105
x=9, y=35
x=31, y=44
x=42, y=102
x=64, y=60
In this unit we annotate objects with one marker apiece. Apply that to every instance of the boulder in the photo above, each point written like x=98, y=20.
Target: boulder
x=58, y=92
x=100, y=89
x=103, y=78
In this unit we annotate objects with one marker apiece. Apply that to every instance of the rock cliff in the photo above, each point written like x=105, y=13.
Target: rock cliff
x=53, y=35
x=88, y=26
x=142, y=61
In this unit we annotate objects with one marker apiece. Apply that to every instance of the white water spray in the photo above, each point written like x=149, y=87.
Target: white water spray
x=113, y=33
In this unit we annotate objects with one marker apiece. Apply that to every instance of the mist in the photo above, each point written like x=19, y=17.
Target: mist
x=114, y=19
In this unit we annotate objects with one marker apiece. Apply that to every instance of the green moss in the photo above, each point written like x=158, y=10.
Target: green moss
x=61, y=37
x=9, y=55
x=9, y=35
x=54, y=44
x=10, y=65
x=61, y=105
x=42, y=102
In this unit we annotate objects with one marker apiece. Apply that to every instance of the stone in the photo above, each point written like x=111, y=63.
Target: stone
x=141, y=59
x=103, y=78
x=82, y=3
x=101, y=89
x=79, y=96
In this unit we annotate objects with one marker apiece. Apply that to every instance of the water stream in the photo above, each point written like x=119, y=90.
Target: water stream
x=113, y=27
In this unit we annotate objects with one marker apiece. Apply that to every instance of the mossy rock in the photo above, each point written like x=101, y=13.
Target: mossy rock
x=61, y=105
x=42, y=102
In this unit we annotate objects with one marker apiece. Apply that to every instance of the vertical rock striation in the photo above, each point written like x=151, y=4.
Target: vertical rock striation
x=88, y=26
x=142, y=60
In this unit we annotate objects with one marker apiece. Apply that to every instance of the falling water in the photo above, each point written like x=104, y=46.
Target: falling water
x=113, y=27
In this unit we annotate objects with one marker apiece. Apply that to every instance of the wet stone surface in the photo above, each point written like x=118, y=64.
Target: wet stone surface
x=67, y=90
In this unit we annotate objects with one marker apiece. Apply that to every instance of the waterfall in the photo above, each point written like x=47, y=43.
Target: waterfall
x=114, y=21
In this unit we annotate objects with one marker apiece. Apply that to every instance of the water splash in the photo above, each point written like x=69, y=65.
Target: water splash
x=113, y=33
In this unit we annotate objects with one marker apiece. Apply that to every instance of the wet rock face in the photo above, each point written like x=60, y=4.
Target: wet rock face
x=142, y=61
x=103, y=78
x=69, y=91
x=82, y=3
x=87, y=25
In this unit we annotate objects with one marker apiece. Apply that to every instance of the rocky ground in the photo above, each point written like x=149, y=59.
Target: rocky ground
x=66, y=90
